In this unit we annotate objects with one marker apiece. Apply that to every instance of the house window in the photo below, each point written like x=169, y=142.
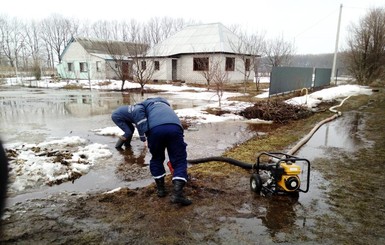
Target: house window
x=144, y=65
x=247, y=65
x=156, y=65
x=70, y=66
x=230, y=64
x=98, y=66
x=201, y=64
x=83, y=66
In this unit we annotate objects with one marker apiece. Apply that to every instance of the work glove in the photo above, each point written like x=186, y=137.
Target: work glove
x=142, y=138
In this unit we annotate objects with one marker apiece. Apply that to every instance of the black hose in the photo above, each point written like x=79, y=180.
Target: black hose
x=222, y=159
x=291, y=152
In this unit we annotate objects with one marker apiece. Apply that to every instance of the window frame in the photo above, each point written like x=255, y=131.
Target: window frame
x=201, y=63
x=156, y=65
x=247, y=64
x=70, y=66
x=83, y=67
x=143, y=65
x=98, y=66
x=230, y=64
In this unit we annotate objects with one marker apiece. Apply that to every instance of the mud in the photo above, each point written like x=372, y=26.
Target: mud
x=344, y=204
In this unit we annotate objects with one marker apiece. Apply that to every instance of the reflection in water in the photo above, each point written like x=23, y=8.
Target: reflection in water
x=130, y=157
x=133, y=164
x=212, y=139
x=37, y=115
x=280, y=214
x=340, y=133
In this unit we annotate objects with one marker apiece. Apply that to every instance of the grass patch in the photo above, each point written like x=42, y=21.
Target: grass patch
x=278, y=139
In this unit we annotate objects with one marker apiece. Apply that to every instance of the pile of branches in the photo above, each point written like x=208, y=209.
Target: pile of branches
x=276, y=111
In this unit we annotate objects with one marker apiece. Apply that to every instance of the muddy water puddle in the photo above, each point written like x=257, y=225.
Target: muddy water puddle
x=345, y=203
x=284, y=219
x=35, y=115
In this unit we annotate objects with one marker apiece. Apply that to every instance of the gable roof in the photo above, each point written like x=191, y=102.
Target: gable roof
x=206, y=38
x=106, y=49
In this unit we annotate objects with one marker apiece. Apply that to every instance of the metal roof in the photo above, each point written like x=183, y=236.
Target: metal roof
x=107, y=48
x=206, y=38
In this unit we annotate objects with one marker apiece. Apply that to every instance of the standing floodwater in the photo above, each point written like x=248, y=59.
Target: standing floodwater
x=343, y=206
x=34, y=115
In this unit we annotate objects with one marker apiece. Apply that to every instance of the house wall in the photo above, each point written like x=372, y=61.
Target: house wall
x=186, y=73
x=164, y=72
x=110, y=73
x=76, y=54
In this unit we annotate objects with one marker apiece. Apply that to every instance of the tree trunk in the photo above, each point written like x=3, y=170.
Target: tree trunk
x=121, y=88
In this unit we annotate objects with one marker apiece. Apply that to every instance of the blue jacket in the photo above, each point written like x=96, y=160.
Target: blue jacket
x=153, y=112
x=145, y=115
x=124, y=118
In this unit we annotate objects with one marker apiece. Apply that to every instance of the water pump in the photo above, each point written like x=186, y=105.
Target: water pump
x=280, y=174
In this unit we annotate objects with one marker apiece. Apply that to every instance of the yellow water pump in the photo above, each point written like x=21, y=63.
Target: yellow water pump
x=281, y=174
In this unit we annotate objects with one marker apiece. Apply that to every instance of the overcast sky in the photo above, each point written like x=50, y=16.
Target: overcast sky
x=310, y=24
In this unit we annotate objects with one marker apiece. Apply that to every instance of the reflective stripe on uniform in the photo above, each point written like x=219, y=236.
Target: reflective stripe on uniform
x=179, y=178
x=142, y=121
x=160, y=176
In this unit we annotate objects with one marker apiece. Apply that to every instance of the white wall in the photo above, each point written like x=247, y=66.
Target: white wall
x=76, y=54
x=186, y=72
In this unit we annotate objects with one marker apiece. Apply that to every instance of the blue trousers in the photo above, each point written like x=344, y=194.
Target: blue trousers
x=124, y=125
x=170, y=137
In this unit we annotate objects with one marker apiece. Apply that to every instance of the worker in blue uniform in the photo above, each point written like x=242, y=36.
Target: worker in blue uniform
x=123, y=118
x=158, y=124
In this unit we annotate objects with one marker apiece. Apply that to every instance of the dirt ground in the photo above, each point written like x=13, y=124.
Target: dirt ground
x=224, y=210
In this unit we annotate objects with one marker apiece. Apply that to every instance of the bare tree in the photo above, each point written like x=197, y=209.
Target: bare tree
x=366, y=47
x=279, y=52
x=256, y=45
x=101, y=30
x=154, y=30
x=221, y=77
x=12, y=41
x=206, y=66
x=239, y=47
x=2, y=26
x=33, y=45
x=161, y=28
x=212, y=68
x=57, y=31
x=120, y=64
x=249, y=48
x=143, y=65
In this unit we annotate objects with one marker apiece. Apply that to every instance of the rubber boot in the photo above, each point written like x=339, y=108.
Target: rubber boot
x=119, y=144
x=161, y=190
x=127, y=143
x=177, y=195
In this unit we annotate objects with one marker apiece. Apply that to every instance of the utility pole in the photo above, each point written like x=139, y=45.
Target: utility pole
x=333, y=79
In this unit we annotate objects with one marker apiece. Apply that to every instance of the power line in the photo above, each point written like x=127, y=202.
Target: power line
x=317, y=23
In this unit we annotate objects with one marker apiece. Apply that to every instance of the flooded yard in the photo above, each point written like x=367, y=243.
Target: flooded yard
x=33, y=115
x=343, y=206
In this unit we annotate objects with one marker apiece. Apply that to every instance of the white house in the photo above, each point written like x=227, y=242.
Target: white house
x=86, y=58
x=191, y=52
x=190, y=55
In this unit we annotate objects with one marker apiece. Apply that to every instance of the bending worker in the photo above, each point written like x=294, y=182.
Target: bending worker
x=123, y=118
x=157, y=123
